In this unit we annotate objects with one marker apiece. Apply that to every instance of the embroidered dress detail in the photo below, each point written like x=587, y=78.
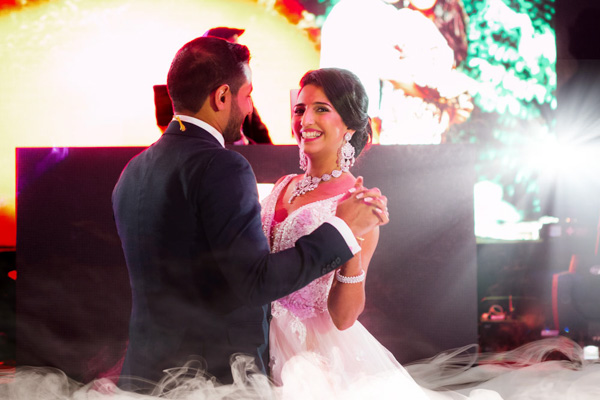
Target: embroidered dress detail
x=312, y=299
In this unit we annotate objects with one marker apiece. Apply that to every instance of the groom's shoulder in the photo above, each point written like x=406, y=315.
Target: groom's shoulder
x=215, y=157
x=230, y=158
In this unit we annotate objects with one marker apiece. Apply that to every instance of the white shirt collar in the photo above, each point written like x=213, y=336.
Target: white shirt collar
x=204, y=125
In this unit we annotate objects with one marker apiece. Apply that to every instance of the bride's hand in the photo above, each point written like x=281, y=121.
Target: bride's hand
x=363, y=209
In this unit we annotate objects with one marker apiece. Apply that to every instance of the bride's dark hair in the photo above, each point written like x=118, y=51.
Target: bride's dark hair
x=348, y=97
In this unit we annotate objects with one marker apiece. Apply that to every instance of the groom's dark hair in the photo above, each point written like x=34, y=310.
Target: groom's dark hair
x=200, y=67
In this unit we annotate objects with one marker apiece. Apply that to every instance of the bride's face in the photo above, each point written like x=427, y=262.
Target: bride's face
x=317, y=126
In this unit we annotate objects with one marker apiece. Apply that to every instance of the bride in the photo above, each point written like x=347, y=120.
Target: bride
x=319, y=321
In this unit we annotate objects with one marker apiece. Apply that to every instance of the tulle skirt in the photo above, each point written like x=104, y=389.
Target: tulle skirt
x=338, y=364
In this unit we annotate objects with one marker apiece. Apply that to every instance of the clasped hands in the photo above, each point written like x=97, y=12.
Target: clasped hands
x=363, y=209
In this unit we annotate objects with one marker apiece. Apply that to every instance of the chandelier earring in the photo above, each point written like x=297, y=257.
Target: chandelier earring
x=303, y=159
x=346, y=154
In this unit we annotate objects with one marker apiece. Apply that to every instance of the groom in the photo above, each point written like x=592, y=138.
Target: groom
x=188, y=216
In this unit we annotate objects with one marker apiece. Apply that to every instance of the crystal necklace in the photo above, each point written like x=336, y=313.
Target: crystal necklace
x=310, y=183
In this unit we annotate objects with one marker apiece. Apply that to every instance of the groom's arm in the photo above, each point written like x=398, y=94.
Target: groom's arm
x=227, y=202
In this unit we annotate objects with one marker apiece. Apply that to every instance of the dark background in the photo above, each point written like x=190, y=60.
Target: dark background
x=73, y=294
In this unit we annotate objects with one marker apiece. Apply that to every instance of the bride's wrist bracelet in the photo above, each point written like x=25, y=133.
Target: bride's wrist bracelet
x=350, y=279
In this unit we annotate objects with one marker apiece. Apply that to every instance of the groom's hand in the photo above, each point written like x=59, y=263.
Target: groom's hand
x=363, y=209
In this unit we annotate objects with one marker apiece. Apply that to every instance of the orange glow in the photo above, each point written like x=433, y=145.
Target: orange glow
x=8, y=225
x=80, y=73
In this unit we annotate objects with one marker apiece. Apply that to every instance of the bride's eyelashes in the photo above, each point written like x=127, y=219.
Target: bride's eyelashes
x=299, y=110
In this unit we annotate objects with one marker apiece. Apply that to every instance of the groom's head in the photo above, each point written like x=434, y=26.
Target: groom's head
x=211, y=76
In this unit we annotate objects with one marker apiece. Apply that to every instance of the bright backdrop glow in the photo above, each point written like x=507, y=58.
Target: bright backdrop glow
x=80, y=72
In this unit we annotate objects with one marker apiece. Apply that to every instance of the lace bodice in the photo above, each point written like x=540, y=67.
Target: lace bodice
x=312, y=299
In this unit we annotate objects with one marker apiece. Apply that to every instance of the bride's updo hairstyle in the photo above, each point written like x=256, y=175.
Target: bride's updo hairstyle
x=348, y=97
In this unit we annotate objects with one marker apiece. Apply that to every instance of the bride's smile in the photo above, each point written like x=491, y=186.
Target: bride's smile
x=310, y=134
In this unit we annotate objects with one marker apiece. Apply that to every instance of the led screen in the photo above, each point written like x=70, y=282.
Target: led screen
x=81, y=73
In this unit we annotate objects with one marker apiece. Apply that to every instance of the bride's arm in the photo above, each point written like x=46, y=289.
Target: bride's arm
x=346, y=301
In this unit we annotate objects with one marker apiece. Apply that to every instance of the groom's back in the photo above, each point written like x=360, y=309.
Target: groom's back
x=183, y=306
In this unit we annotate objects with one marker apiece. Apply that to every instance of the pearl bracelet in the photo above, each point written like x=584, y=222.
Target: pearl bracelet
x=350, y=279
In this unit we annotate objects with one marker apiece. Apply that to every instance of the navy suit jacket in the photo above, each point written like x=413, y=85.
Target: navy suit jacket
x=201, y=274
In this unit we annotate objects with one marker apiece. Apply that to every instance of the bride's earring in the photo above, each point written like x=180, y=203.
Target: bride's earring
x=303, y=159
x=346, y=154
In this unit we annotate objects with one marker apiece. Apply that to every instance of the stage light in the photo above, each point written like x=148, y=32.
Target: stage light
x=562, y=157
x=590, y=353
